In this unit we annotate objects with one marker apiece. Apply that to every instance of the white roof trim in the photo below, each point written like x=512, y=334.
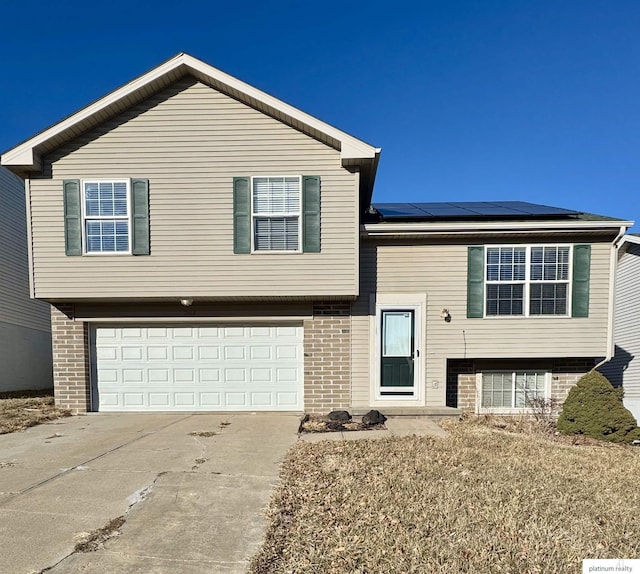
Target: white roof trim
x=24, y=154
x=484, y=226
x=630, y=239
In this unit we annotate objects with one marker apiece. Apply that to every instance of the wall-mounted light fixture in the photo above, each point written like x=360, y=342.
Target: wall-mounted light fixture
x=186, y=302
x=445, y=315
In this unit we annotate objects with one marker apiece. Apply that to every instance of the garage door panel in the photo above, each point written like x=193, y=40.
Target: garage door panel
x=108, y=353
x=198, y=367
x=159, y=399
x=133, y=399
x=209, y=353
x=212, y=400
x=158, y=376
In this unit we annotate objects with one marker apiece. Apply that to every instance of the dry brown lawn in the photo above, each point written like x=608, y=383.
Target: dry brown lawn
x=482, y=500
x=21, y=410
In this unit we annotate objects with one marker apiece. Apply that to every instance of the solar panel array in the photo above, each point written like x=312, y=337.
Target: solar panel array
x=469, y=210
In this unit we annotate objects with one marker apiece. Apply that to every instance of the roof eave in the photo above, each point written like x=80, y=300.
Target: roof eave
x=481, y=227
x=631, y=239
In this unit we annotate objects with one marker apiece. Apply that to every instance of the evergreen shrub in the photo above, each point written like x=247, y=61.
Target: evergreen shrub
x=594, y=408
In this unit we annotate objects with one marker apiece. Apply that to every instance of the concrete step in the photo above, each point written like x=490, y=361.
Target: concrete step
x=412, y=412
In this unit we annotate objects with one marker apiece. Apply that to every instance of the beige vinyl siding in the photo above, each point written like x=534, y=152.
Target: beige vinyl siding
x=440, y=271
x=16, y=308
x=190, y=141
x=624, y=368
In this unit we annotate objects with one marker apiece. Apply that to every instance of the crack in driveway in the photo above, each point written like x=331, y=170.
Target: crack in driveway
x=80, y=466
x=94, y=540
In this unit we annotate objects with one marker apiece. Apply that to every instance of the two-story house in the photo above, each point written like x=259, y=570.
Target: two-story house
x=25, y=327
x=206, y=246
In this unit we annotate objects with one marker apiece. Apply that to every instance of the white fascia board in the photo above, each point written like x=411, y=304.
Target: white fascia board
x=23, y=154
x=630, y=239
x=23, y=157
x=372, y=229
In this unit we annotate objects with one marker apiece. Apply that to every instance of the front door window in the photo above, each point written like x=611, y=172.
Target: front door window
x=397, y=353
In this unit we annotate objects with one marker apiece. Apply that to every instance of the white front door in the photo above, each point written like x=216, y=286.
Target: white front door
x=197, y=367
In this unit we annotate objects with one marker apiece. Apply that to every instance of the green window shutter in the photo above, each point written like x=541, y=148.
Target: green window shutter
x=311, y=213
x=72, y=217
x=242, y=214
x=475, y=281
x=580, y=284
x=140, y=243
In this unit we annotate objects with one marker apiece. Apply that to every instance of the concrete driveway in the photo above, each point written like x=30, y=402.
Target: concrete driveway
x=191, y=503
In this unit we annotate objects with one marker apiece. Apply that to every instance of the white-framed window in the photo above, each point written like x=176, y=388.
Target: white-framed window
x=276, y=205
x=504, y=390
x=106, y=216
x=527, y=280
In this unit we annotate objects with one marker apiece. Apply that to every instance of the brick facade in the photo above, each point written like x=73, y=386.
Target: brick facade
x=327, y=358
x=461, y=378
x=566, y=373
x=70, y=341
x=461, y=384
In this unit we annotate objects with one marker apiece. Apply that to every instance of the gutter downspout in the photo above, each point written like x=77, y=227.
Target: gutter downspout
x=613, y=264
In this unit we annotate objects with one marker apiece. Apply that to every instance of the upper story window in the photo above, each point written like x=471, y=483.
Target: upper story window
x=276, y=213
x=106, y=216
x=527, y=280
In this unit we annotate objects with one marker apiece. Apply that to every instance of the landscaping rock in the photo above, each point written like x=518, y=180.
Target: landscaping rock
x=303, y=420
x=339, y=416
x=373, y=418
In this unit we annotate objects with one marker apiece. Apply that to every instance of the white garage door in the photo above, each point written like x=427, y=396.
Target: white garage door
x=197, y=368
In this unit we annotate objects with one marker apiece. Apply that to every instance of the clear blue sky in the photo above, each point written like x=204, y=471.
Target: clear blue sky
x=470, y=100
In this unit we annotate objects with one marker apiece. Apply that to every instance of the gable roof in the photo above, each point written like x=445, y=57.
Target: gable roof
x=27, y=156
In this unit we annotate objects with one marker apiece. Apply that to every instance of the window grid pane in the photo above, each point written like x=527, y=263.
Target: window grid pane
x=106, y=199
x=276, y=233
x=104, y=236
x=505, y=299
x=496, y=390
x=550, y=263
x=276, y=195
x=530, y=387
x=548, y=299
x=506, y=263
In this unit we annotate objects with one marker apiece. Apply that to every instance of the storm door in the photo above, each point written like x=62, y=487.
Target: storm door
x=398, y=353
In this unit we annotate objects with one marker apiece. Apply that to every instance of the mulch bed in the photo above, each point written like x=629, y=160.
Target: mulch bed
x=316, y=423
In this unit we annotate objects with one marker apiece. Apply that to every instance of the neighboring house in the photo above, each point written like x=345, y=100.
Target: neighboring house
x=25, y=325
x=206, y=246
x=624, y=369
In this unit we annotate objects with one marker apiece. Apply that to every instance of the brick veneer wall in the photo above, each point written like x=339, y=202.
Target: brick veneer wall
x=461, y=384
x=566, y=373
x=461, y=379
x=327, y=358
x=70, y=340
